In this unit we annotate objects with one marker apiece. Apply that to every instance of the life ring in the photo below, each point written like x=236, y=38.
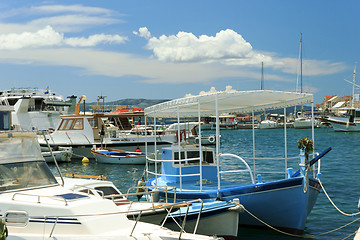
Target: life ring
x=196, y=140
x=211, y=139
x=181, y=136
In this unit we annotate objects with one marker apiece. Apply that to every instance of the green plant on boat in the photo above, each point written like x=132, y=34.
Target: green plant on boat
x=307, y=145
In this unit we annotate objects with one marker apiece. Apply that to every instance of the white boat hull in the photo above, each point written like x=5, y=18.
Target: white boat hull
x=302, y=123
x=341, y=124
x=62, y=155
x=267, y=124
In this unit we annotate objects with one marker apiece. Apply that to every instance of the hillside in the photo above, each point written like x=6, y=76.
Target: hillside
x=131, y=102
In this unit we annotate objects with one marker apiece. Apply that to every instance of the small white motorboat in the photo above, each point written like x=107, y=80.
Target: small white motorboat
x=61, y=154
x=218, y=218
x=33, y=205
x=110, y=155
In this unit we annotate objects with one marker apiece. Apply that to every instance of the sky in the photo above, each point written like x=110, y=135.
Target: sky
x=165, y=49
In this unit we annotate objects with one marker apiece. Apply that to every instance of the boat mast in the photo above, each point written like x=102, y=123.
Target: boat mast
x=262, y=76
x=353, y=89
x=301, y=83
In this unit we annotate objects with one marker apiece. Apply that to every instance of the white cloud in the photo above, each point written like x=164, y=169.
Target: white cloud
x=186, y=47
x=229, y=48
x=114, y=64
x=94, y=40
x=311, y=67
x=72, y=22
x=143, y=32
x=64, y=18
x=76, y=8
x=48, y=37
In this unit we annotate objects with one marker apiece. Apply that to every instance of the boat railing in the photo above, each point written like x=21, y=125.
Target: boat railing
x=169, y=209
x=88, y=189
x=151, y=194
x=248, y=169
x=287, y=171
x=182, y=227
x=39, y=197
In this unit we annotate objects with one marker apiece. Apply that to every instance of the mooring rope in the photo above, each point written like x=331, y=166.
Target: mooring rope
x=327, y=195
x=296, y=235
x=314, y=235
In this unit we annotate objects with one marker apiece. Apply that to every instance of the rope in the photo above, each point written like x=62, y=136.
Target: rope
x=296, y=235
x=351, y=234
x=327, y=195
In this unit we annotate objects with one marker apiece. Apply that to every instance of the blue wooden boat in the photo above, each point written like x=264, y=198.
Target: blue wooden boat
x=196, y=171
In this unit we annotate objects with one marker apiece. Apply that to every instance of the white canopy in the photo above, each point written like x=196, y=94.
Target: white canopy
x=232, y=101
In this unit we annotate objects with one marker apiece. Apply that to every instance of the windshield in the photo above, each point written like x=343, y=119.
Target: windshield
x=22, y=175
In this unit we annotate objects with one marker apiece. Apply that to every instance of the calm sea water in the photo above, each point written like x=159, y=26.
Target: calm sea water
x=340, y=170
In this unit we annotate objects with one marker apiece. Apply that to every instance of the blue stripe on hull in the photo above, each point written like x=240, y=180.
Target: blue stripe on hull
x=281, y=203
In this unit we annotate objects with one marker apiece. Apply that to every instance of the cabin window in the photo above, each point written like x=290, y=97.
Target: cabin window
x=64, y=124
x=22, y=175
x=109, y=192
x=72, y=124
x=357, y=114
x=208, y=156
x=193, y=154
x=16, y=218
x=176, y=155
x=77, y=124
x=87, y=191
x=93, y=122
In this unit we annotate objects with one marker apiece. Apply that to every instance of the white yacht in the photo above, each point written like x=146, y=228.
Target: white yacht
x=36, y=109
x=350, y=122
x=33, y=205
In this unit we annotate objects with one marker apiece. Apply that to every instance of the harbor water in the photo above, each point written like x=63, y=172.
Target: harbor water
x=340, y=174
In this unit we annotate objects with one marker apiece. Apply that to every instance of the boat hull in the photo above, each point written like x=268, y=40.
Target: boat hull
x=267, y=124
x=305, y=123
x=282, y=204
x=343, y=125
x=218, y=218
x=118, y=157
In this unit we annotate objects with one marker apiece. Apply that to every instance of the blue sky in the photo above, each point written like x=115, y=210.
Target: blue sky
x=166, y=49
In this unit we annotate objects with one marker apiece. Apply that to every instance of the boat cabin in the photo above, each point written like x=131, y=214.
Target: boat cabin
x=352, y=114
x=188, y=165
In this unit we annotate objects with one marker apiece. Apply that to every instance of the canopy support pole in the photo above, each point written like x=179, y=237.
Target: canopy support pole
x=200, y=147
x=285, y=141
x=154, y=132
x=217, y=142
x=179, y=145
x=146, y=151
x=253, y=135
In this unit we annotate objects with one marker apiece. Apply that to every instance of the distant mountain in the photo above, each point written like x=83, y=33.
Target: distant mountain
x=131, y=102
